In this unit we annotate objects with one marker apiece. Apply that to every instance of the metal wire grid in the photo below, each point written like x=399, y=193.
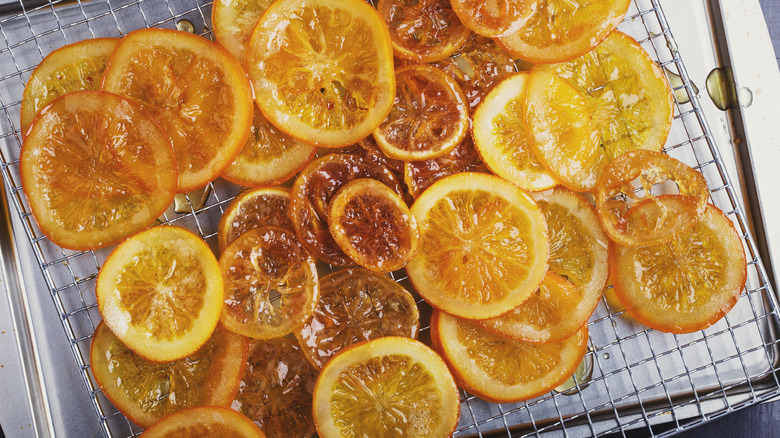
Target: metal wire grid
x=641, y=379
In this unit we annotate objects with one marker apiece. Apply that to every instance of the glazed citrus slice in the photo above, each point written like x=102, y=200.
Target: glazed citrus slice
x=146, y=391
x=502, y=139
x=204, y=421
x=254, y=209
x=373, y=225
x=371, y=150
x=559, y=30
x=312, y=192
x=160, y=292
x=270, y=283
x=276, y=389
x=322, y=70
x=75, y=67
x=391, y=386
x=686, y=284
x=233, y=22
x=490, y=18
x=96, y=169
x=483, y=246
x=429, y=118
x=356, y=305
x=503, y=370
x=423, y=31
x=614, y=99
x=630, y=180
x=419, y=175
x=197, y=92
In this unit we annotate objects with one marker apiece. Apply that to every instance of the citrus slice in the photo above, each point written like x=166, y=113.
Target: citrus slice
x=276, y=389
x=322, y=70
x=490, y=18
x=96, y=169
x=269, y=157
x=614, y=99
x=75, y=67
x=270, y=283
x=356, y=305
x=146, y=392
x=204, y=421
x=559, y=30
x=503, y=370
x=429, y=118
x=423, y=31
x=371, y=150
x=373, y=225
x=686, y=284
x=419, y=175
x=198, y=93
x=501, y=137
x=315, y=187
x=630, y=180
x=391, y=386
x=254, y=209
x=483, y=246
x=160, y=292
x=233, y=22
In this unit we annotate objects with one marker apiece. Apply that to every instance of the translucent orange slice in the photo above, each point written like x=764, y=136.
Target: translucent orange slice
x=490, y=18
x=205, y=421
x=254, y=209
x=234, y=21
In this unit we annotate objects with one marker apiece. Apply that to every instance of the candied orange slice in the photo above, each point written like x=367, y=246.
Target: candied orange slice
x=391, y=386
x=254, y=209
x=197, y=92
x=614, y=99
x=270, y=283
x=146, y=391
x=269, y=157
x=96, y=169
x=483, y=248
x=686, y=284
x=161, y=292
x=373, y=225
x=322, y=70
x=423, y=31
x=419, y=175
x=501, y=137
x=276, y=389
x=356, y=305
x=630, y=180
x=205, y=421
x=559, y=30
x=75, y=67
x=490, y=18
x=233, y=22
x=503, y=370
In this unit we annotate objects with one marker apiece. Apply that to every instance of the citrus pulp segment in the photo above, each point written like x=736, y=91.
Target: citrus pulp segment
x=75, y=67
x=391, y=386
x=96, y=169
x=271, y=283
x=483, y=245
x=161, y=293
x=356, y=305
x=490, y=18
x=322, y=70
x=206, y=421
x=504, y=370
x=197, y=92
x=233, y=22
x=146, y=391
x=501, y=137
x=254, y=209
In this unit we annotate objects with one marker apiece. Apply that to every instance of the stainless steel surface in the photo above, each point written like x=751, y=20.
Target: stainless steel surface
x=642, y=379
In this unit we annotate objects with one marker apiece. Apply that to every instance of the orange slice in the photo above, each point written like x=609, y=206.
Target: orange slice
x=254, y=209
x=75, y=67
x=483, y=248
x=502, y=139
x=198, y=93
x=356, y=305
x=233, y=22
x=429, y=118
x=160, y=292
x=373, y=225
x=392, y=386
x=322, y=70
x=270, y=283
x=145, y=391
x=96, y=169
x=503, y=370
x=419, y=175
x=490, y=18
x=205, y=421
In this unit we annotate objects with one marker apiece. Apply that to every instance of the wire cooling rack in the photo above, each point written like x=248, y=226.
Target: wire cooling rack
x=632, y=378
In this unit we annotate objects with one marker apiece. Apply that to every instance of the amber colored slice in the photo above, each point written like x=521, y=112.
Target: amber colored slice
x=254, y=209
x=491, y=18
x=206, y=421
x=419, y=175
x=234, y=21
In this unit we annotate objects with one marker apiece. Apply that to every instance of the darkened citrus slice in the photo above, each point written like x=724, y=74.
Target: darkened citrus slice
x=419, y=175
x=207, y=421
x=254, y=209
x=234, y=21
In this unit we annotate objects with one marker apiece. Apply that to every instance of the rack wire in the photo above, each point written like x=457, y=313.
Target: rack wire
x=635, y=377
